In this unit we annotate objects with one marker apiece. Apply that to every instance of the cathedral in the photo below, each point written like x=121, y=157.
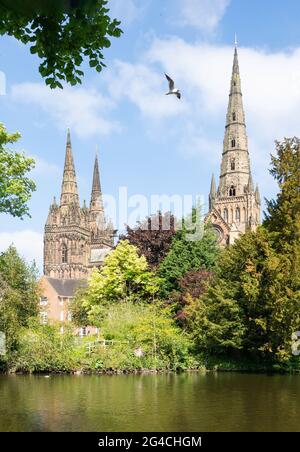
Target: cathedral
x=76, y=238
x=234, y=206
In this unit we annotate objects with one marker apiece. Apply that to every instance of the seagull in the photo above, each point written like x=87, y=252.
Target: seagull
x=172, y=89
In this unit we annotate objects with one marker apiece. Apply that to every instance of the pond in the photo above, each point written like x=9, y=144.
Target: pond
x=188, y=402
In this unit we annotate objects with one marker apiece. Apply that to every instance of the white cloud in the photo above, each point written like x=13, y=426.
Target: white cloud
x=28, y=243
x=84, y=110
x=145, y=88
x=202, y=14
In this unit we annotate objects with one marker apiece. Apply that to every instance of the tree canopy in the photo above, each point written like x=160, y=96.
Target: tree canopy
x=124, y=276
x=187, y=255
x=15, y=186
x=152, y=237
x=19, y=294
x=61, y=34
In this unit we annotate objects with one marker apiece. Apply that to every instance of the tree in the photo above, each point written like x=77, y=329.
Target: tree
x=185, y=256
x=61, y=36
x=19, y=294
x=283, y=214
x=152, y=237
x=15, y=187
x=192, y=285
x=124, y=276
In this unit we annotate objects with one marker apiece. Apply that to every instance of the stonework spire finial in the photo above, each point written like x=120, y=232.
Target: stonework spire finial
x=235, y=40
x=213, y=192
x=69, y=192
x=68, y=137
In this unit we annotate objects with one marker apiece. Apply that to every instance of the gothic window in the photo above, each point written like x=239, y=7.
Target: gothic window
x=233, y=116
x=232, y=164
x=238, y=214
x=226, y=215
x=233, y=143
x=64, y=254
x=232, y=191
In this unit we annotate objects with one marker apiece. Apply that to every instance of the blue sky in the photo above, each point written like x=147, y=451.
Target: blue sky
x=148, y=142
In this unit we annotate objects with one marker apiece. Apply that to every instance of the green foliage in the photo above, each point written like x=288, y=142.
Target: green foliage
x=19, y=294
x=283, y=214
x=146, y=327
x=124, y=276
x=187, y=255
x=43, y=348
x=15, y=187
x=62, y=38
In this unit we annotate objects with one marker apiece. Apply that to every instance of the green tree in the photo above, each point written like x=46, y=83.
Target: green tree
x=61, y=36
x=19, y=294
x=124, y=276
x=187, y=255
x=15, y=187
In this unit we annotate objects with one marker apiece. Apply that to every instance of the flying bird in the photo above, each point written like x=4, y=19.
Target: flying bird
x=172, y=89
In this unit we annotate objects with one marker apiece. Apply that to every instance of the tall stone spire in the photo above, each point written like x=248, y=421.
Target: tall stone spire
x=69, y=191
x=235, y=167
x=234, y=206
x=96, y=204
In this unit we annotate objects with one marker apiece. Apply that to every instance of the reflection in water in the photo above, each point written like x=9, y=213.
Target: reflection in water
x=186, y=402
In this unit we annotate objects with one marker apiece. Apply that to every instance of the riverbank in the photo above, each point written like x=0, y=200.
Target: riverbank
x=208, y=365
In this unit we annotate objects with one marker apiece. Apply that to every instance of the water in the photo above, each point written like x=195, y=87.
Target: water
x=187, y=402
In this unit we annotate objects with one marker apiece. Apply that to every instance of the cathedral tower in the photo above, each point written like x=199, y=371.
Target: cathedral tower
x=234, y=207
x=72, y=232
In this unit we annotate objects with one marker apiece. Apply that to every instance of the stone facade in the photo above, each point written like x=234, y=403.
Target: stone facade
x=76, y=238
x=234, y=207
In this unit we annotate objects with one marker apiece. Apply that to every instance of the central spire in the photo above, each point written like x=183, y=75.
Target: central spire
x=235, y=167
x=69, y=191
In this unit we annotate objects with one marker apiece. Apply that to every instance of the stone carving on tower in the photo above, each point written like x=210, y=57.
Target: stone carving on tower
x=234, y=207
x=76, y=238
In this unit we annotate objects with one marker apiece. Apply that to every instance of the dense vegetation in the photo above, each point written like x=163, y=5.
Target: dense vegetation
x=191, y=305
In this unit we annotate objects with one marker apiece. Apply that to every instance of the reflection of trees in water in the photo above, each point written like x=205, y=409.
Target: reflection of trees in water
x=186, y=402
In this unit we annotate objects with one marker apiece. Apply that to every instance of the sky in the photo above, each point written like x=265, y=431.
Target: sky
x=148, y=142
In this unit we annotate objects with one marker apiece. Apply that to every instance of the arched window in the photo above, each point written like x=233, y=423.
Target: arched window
x=225, y=214
x=238, y=214
x=232, y=164
x=233, y=143
x=232, y=191
x=233, y=116
x=64, y=254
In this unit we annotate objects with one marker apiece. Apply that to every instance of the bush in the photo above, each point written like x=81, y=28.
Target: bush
x=43, y=348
